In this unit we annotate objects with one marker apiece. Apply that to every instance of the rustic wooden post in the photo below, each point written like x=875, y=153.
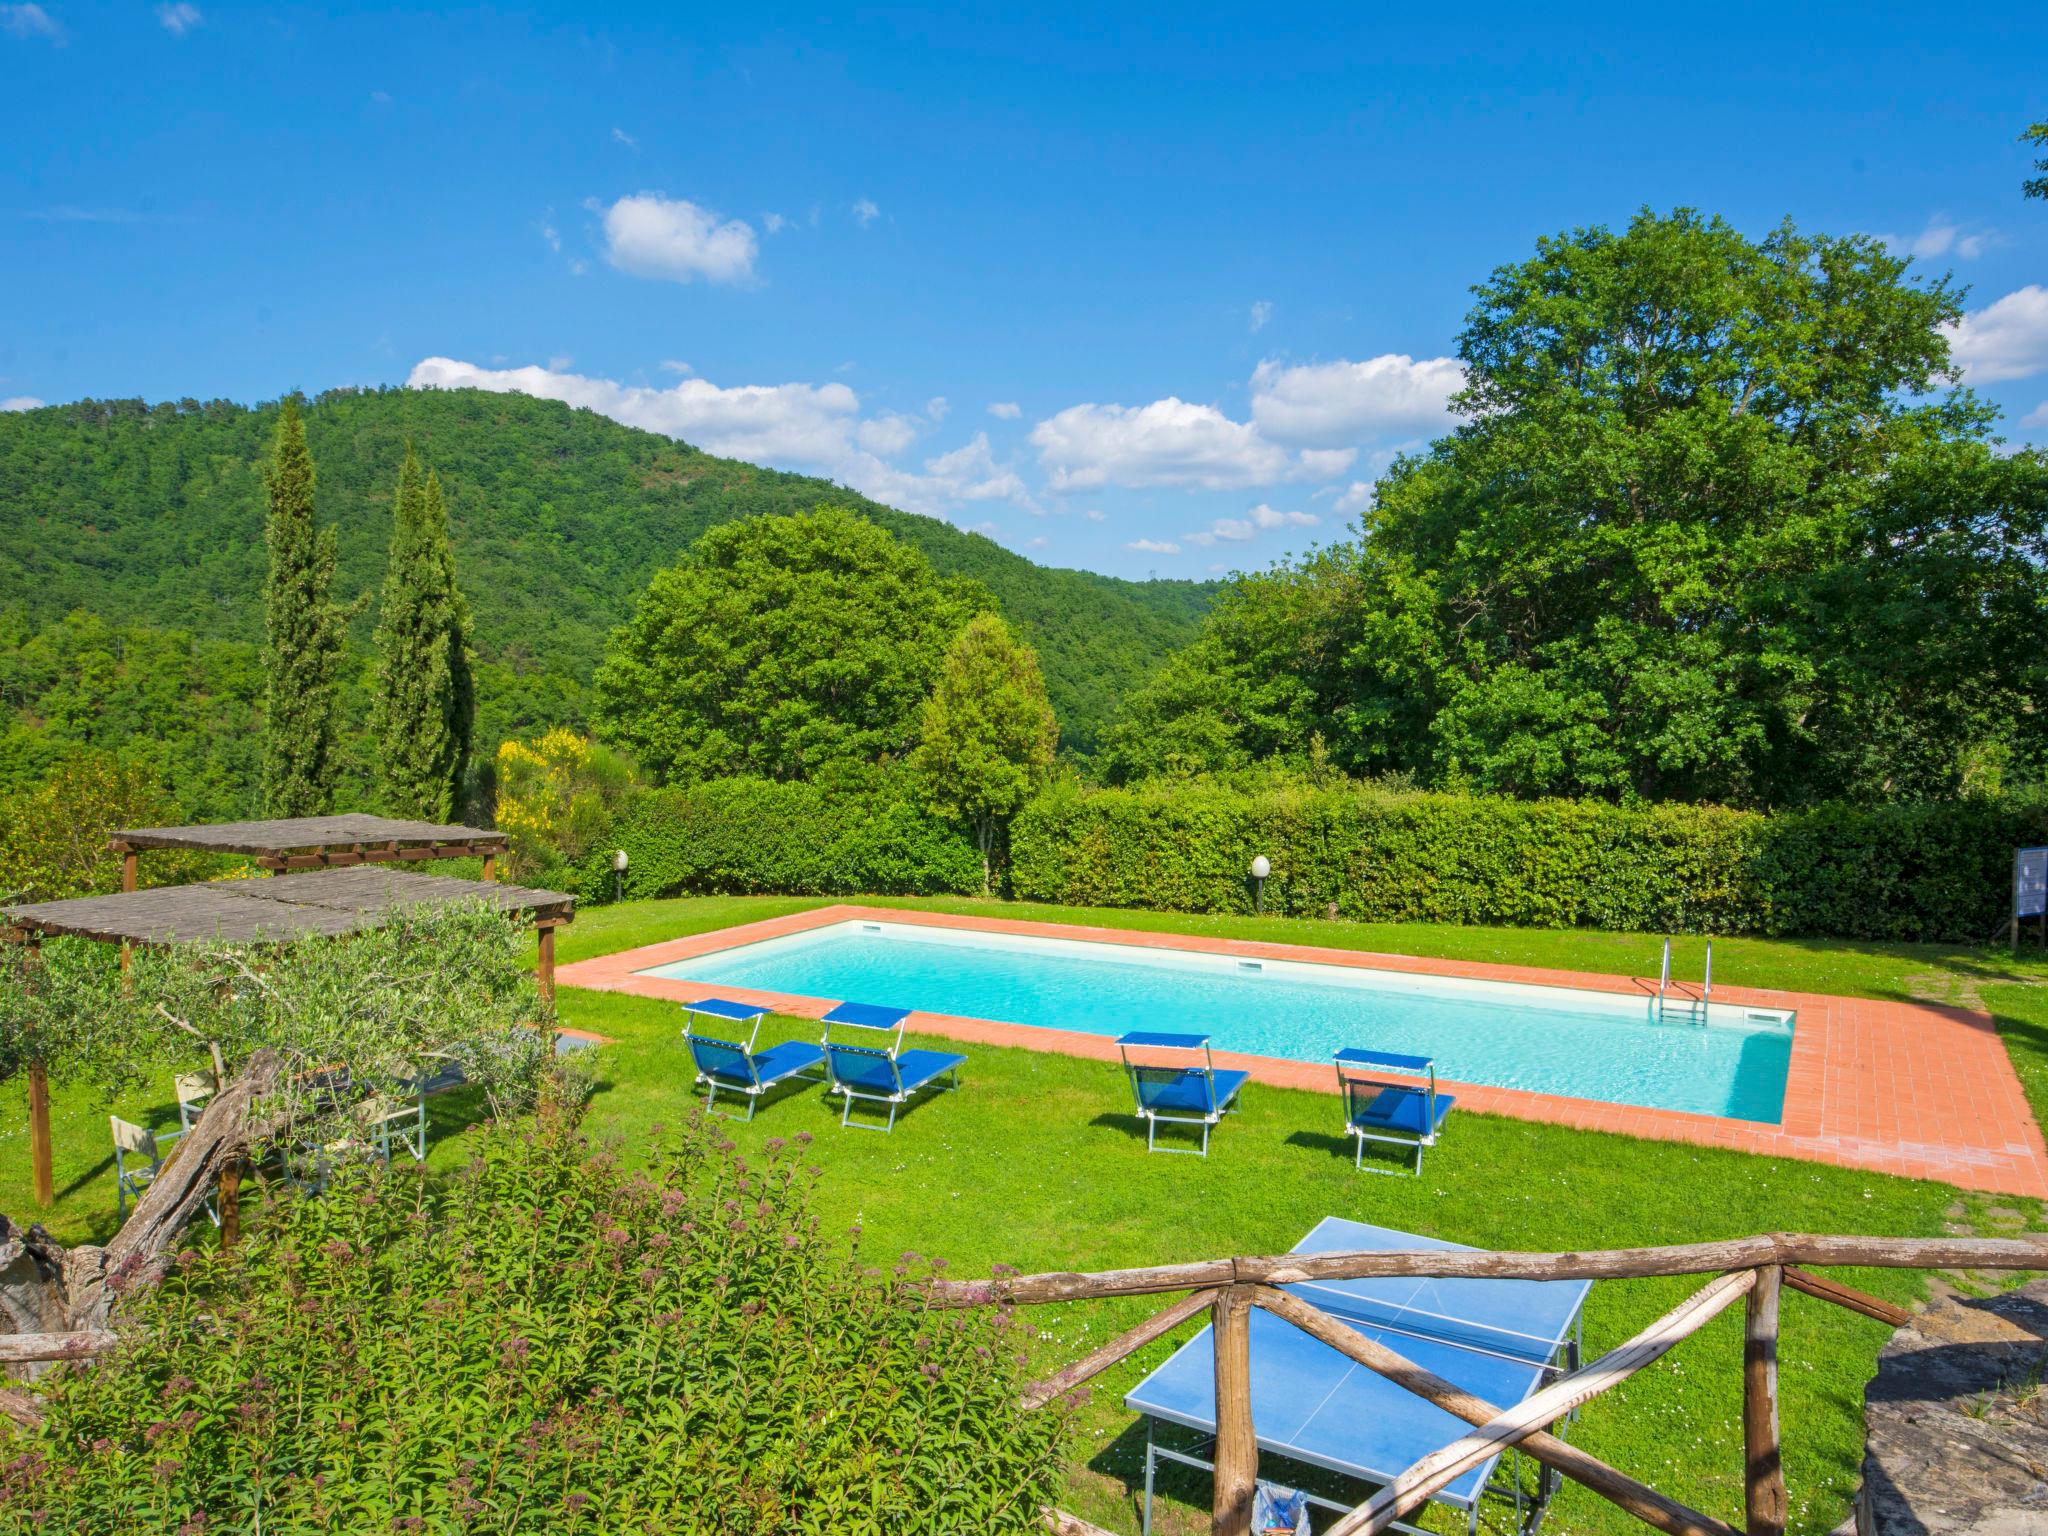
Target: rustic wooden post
x=1764, y=1478
x=544, y=973
x=43, y=1178
x=129, y=875
x=230, y=1199
x=1237, y=1446
x=491, y=865
x=39, y=1134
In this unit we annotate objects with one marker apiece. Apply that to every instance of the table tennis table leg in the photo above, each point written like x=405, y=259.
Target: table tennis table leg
x=1150, y=1463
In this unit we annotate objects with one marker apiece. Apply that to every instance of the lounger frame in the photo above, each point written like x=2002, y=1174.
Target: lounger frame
x=877, y=1021
x=1175, y=1055
x=1362, y=1077
x=755, y=1086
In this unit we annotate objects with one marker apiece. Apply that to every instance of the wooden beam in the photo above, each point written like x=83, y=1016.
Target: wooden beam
x=1824, y=1289
x=1237, y=1444
x=22, y=1348
x=1607, y=1264
x=490, y=864
x=1122, y=1347
x=39, y=1135
x=129, y=871
x=1413, y=1488
x=544, y=972
x=1638, y=1499
x=1763, y=1485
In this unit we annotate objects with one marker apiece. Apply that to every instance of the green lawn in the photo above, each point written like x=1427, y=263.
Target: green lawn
x=1036, y=1164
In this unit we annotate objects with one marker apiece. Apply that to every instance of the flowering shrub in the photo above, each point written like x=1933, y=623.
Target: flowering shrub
x=548, y=1342
x=556, y=796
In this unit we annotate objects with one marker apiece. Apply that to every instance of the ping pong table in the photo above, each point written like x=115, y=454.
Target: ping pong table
x=1498, y=1339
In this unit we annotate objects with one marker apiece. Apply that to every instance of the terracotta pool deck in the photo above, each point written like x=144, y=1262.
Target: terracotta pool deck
x=1905, y=1088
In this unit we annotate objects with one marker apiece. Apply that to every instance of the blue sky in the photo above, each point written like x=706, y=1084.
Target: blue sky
x=1155, y=292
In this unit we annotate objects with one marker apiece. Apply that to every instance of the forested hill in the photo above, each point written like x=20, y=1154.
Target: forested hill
x=154, y=515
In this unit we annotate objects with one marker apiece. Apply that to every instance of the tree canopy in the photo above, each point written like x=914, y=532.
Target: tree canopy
x=423, y=707
x=1715, y=527
x=304, y=633
x=783, y=647
x=987, y=733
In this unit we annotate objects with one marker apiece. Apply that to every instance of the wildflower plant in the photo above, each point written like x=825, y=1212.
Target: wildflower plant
x=546, y=1341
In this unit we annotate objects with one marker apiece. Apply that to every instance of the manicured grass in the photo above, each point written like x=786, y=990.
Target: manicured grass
x=1037, y=1163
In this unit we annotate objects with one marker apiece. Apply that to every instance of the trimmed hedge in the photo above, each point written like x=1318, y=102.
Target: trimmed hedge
x=744, y=836
x=1908, y=872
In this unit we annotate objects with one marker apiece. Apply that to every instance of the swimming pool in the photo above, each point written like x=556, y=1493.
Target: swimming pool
x=1590, y=1045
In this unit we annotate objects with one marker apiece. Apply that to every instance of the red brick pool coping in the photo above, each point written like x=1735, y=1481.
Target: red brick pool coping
x=1905, y=1088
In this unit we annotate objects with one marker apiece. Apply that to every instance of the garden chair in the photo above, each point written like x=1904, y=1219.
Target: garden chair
x=1403, y=1112
x=132, y=1145
x=1174, y=1080
x=881, y=1074
x=399, y=1116
x=736, y=1068
x=193, y=1090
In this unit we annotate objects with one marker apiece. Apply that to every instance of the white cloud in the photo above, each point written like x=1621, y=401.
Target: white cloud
x=1038, y=543
x=29, y=21
x=1261, y=519
x=1154, y=546
x=887, y=434
x=866, y=212
x=814, y=427
x=2005, y=340
x=1169, y=442
x=675, y=365
x=20, y=403
x=1005, y=410
x=774, y=223
x=936, y=408
x=2037, y=417
x=650, y=235
x=1328, y=404
x=1096, y=515
x=1262, y=311
x=179, y=18
x=1939, y=238
x=1355, y=497
x=561, y=362
x=619, y=135
x=549, y=233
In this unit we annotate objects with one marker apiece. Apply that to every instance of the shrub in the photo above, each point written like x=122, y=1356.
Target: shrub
x=548, y=1343
x=754, y=835
x=556, y=797
x=1914, y=872
x=53, y=834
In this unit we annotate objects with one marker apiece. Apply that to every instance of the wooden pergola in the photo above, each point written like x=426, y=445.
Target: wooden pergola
x=337, y=890
x=316, y=842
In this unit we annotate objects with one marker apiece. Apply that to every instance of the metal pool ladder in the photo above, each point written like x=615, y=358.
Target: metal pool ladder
x=1692, y=1009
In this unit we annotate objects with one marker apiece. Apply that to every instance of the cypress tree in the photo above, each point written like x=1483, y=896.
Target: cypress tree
x=304, y=633
x=425, y=702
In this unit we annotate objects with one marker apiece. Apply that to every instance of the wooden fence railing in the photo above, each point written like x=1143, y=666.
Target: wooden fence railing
x=1753, y=1270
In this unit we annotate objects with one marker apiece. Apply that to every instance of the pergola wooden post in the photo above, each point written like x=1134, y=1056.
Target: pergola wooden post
x=39, y=1112
x=544, y=965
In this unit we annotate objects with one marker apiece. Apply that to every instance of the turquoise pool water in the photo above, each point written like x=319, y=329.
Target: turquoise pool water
x=1590, y=1045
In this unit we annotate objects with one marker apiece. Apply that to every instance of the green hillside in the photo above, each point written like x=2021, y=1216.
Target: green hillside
x=153, y=516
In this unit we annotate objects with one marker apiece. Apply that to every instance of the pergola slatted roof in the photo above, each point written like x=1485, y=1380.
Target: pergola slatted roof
x=329, y=903
x=305, y=834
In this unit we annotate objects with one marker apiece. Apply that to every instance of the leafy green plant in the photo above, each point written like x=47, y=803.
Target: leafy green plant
x=1902, y=872
x=548, y=1342
x=748, y=835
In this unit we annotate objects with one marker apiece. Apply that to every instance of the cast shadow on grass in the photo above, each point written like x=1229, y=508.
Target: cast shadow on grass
x=1344, y=1150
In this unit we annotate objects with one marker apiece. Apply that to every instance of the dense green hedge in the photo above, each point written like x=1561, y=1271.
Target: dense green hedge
x=1919, y=872
x=757, y=835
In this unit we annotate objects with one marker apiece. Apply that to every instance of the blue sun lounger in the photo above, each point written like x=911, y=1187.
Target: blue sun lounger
x=735, y=1067
x=1174, y=1079
x=880, y=1074
x=1376, y=1108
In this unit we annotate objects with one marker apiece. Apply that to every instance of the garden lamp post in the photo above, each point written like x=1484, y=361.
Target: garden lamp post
x=1261, y=867
x=619, y=875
